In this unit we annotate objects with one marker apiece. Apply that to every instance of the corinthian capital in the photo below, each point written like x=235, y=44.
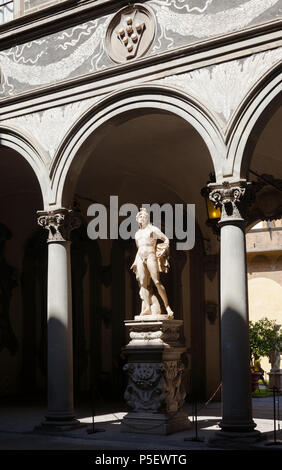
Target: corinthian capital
x=233, y=200
x=59, y=223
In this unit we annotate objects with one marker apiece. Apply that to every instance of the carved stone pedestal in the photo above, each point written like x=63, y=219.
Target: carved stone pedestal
x=155, y=391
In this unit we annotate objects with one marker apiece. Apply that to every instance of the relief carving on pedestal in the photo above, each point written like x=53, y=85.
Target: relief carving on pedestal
x=173, y=385
x=145, y=389
x=155, y=386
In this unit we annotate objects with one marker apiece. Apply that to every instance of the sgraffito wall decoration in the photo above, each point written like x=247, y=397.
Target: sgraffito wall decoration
x=183, y=22
x=53, y=59
x=50, y=126
x=81, y=50
x=223, y=87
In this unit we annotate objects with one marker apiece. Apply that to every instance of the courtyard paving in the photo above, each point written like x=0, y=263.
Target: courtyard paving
x=19, y=420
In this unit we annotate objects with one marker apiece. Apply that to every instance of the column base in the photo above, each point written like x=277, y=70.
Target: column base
x=235, y=440
x=155, y=423
x=245, y=427
x=59, y=424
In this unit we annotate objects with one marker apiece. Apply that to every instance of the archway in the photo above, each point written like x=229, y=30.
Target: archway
x=21, y=319
x=66, y=166
x=261, y=105
x=143, y=156
x=262, y=164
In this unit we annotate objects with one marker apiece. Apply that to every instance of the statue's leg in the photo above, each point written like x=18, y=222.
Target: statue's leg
x=144, y=291
x=153, y=269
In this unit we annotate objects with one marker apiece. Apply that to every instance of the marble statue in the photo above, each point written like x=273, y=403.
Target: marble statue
x=274, y=356
x=275, y=361
x=151, y=259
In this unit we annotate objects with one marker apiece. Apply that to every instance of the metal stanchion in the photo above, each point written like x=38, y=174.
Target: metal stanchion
x=196, y=438
x=195, y=415
x=275, y=416
x=93, y=429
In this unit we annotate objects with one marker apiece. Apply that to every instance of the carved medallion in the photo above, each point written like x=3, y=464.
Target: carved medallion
x=130, y=33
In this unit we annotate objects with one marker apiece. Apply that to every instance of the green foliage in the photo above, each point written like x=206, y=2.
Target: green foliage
x=264, y=338
x=262, y=393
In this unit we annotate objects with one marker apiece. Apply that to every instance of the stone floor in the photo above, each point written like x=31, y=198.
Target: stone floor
x=18, y=420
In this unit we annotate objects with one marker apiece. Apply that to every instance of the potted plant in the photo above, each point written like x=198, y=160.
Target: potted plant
x=264, y=339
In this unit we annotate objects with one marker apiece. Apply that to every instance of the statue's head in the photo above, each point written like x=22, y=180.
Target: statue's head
x=142, y=217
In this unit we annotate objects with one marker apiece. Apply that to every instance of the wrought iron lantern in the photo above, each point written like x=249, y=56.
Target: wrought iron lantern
x=213, y=213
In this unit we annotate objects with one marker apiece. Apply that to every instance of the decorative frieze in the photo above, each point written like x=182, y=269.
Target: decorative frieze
x=82, y=49
x=200, y=20
x=59, y=223
x=161, y=336
x=163, y=332
x=63, y=55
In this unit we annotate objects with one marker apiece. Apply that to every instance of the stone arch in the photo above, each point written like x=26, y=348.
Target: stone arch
x=24, y=187
x=255, y=111
x=11, y=138
x=256, y=260
x=65, y=168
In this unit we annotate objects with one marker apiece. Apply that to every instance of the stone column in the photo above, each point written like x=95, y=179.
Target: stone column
x=237, y=424
x=59, y=223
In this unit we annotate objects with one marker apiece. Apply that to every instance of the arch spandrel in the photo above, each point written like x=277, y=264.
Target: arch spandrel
x=262, y=100
x=31, y=152
x=65, y=165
